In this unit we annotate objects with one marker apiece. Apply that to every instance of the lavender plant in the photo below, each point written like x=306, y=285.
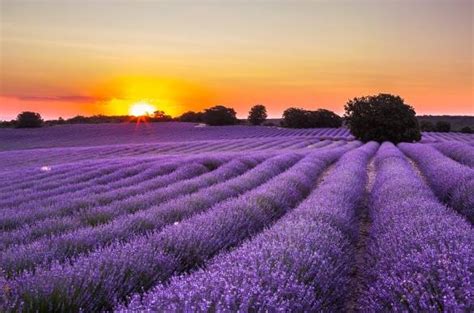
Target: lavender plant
x=452, y=182
x=458, y=151
x=420, y=253
x=121, y=269
x=303, y=263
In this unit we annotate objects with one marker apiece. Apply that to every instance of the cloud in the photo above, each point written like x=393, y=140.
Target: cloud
x=63, y=98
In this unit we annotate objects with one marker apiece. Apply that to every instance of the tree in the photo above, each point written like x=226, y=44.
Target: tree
x=160, y=116
x=191, y=117
x=384, y=117
x=295, y=118
x=466, y=130
x=324, y=118
x=443, y=126
x=29, y=120
x=257, y=114
x=426, y=126
x=219, y=115
x=299, y=118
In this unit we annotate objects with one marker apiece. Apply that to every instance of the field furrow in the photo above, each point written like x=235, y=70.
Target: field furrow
x=420, y=252
x=451, y=181
x=458, y=151
x=149, y=259
x=184, y=217
x=302, y=263
x=100, y=215
x=14, y=218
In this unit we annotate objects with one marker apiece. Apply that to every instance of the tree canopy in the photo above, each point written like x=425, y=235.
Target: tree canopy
x=383, y=117
x=300, y=118
x=220, y=115
x=29, y=120
x=257, y=114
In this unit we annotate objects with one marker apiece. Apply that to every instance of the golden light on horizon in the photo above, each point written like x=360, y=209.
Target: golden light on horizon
x=171, y=95
x=141, y=109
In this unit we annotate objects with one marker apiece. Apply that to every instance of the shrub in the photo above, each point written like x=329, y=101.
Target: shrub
x=257, y=114
x=219, y=115
x=466, y=130
x=299, y=118
x=191, y=117
x=29, y=120
x=443, y=126
x=427, y=126
x=381, y=118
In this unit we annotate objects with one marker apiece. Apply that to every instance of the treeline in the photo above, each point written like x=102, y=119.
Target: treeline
x=33, y=119
x=292, y=117
x=445, y=123
x=214, y=116
x=382, y=117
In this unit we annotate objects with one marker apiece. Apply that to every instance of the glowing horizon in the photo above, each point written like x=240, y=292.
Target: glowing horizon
x=71, y=58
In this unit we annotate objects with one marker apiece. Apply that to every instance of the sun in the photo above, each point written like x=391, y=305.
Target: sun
x=141, y=109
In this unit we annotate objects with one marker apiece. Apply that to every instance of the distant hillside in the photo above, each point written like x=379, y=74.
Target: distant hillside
x=457, y=121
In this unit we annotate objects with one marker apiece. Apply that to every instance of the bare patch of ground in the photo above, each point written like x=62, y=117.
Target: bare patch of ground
x=365, y=223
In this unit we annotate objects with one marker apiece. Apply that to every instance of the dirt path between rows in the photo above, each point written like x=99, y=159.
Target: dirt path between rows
x=357, y=277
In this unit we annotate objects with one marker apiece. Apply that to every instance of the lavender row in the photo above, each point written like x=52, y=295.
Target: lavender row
x=52, y=156
x=80, y=135
x=121, y=269
x=441, y=137
x=13, y=218
x=420, y=253
x=87, y=238
x=97, y=182
x=22, y=257
x=452, y=182
x=303, y=263
x=36, y=176
x=80, y=173
x=458, y=151
x=112, y=187
x=36, y=157
x=82, y=207
x=88, y=168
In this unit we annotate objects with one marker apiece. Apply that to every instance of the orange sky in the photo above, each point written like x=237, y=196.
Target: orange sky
x=64, y=58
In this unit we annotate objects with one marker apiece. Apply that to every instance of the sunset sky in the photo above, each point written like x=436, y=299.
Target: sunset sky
x=64, y=58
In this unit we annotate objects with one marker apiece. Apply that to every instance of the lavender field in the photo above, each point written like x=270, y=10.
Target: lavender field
x=179, y=217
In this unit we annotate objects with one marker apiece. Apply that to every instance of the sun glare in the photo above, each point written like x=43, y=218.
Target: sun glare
x=141, y=109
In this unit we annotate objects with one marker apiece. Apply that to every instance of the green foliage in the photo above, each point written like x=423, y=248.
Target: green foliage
x=299, y=118
x=383, y=117
x=219, y=115
x=29, y=120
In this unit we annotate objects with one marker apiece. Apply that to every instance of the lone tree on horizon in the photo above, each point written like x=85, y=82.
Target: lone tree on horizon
x=257, y=114
x=29, y=120
x=383, y=117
